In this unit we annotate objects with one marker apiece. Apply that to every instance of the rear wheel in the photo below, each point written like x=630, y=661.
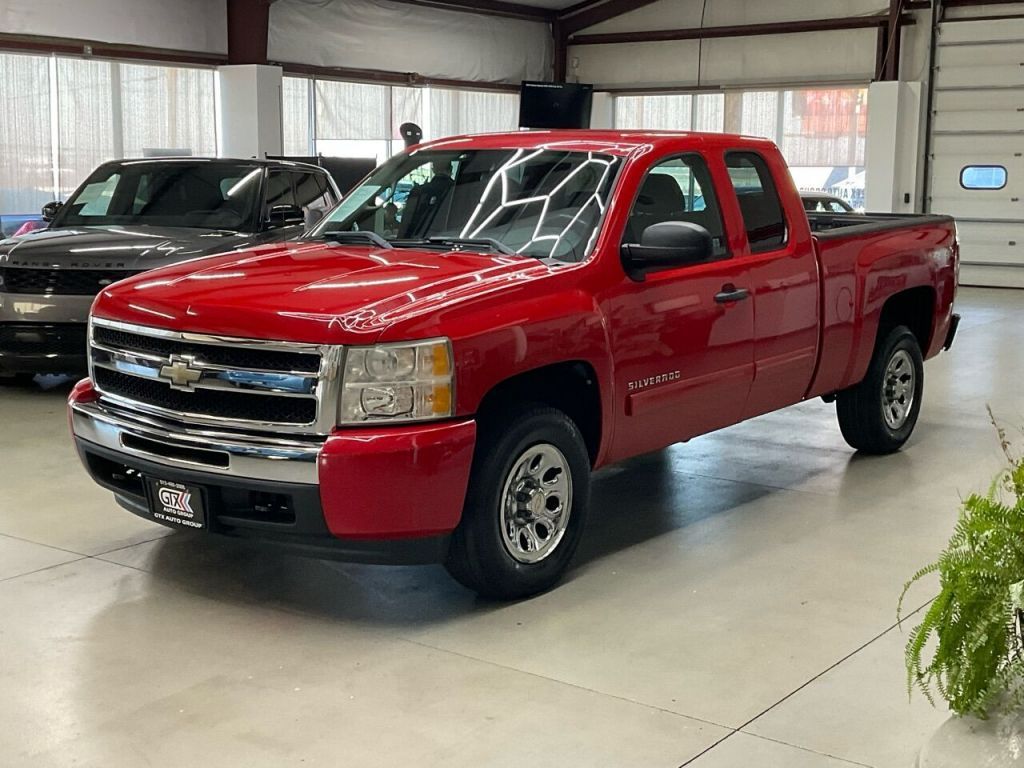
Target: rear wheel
x=525, y=507
x=879, y=414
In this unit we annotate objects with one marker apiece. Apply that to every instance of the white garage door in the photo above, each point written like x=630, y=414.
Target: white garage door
x=977, y=168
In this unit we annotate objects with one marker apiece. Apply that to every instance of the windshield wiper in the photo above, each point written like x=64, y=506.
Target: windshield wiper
x=462, y=243
x=356, y=237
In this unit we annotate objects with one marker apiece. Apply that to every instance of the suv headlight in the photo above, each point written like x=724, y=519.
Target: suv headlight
x=397, y=382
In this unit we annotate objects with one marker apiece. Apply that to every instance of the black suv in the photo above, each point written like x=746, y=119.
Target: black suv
x=130, y=216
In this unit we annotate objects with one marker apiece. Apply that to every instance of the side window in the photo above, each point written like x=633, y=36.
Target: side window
x=279, y=189
x=678, y=189
x=837, y=207
x=759, y=201
x=312, y=196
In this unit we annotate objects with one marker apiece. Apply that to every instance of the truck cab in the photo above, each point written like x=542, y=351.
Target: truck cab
x=432, y=373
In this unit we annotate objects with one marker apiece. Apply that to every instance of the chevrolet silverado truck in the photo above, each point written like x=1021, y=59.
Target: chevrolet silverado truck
x=133, y=215
x=434, y=378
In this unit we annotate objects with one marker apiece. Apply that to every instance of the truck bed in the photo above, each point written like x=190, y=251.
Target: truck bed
x=864, y=258
x=831, y=225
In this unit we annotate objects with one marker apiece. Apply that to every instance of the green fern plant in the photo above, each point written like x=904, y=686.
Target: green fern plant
x=969, y=646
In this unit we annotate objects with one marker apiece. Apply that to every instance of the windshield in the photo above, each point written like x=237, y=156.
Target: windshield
x=537, y=202
x=172, y=194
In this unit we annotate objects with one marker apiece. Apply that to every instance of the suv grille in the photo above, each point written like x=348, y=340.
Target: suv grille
x=62, y=282
x=214, y=380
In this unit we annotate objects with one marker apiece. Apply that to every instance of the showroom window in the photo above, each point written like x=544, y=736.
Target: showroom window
x=345, y=119
x=179, y=103
x=64, y=116
x=672, y=112
x=296, y=120
x=27, y=164
x=821, y=131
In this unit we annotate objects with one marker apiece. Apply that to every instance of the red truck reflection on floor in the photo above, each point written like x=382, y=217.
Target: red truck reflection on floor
x=432, y=373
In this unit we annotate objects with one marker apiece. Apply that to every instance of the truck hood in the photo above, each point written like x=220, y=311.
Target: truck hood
x=313, y=292
x=132, y=248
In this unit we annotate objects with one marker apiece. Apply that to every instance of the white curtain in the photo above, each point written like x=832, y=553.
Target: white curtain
x=295, y=116
x=454, y=112
x=85, y=119
x=26, y=158
x=168, y=108
x=352, y=110
x=104, y=110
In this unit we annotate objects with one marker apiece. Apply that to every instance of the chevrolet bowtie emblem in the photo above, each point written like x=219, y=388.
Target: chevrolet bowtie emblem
x=180, y=373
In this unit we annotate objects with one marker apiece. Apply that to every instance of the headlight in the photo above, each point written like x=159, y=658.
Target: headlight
x=398, y=382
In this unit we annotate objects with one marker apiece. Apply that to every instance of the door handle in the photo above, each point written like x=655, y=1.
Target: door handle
x=731, y=293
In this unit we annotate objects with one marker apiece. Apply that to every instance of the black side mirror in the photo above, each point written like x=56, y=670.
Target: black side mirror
x=665, y=245
x=285, y=216
x=50, y=210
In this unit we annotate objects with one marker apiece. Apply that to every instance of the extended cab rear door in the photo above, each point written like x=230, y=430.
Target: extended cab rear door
x=682, y=338
x=781, y=273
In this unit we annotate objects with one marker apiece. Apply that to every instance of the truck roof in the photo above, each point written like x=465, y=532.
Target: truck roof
x=616, y=142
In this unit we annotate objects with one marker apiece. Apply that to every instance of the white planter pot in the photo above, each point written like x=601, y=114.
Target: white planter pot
x=967, y=742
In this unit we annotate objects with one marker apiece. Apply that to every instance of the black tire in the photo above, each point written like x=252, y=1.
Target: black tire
x=17, y=379
x=479, y=556
x=862, y=409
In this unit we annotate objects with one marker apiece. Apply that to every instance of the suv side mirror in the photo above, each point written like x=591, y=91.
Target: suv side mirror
x=50, y=210
x=285, y=216
x=665, y=245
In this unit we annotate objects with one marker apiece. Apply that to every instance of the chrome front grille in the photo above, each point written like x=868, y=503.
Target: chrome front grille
x=217, y=381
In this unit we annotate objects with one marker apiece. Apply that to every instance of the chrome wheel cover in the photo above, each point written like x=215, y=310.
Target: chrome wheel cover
x=536, y=502
x=898, y=387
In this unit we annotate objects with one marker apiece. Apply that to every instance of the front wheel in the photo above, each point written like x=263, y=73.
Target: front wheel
x=525, y=507
x=879, y=414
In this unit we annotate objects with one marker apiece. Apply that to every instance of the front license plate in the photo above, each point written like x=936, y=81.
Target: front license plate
x=177, y=504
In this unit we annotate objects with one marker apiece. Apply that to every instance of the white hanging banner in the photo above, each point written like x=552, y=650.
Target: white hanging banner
x=395, y=37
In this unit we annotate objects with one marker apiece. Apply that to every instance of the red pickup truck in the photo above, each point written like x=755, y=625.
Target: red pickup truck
x=433, y=372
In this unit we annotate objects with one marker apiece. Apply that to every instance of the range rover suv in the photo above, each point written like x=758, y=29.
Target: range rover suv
x=130, y=216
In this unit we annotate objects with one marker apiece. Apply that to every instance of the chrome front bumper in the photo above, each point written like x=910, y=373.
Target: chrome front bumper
x=227, y=454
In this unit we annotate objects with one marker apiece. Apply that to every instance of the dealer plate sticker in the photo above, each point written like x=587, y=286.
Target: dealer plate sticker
x=177, y=504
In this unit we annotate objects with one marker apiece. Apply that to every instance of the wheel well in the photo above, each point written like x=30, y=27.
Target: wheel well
x=913, y=308
x=571, y=387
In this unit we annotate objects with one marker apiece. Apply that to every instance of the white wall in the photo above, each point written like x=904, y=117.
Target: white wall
x=377, y=34
x=814, y=57
x=190, y=25
x=891, y=153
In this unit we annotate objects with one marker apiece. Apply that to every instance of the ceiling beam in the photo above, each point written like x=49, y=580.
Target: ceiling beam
x=102, y=50
x=389, y=77
x=587, y=14
x=501, y=8
x=739, y=30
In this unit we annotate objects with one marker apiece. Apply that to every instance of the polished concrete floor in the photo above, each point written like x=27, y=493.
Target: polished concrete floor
x=733, y=605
